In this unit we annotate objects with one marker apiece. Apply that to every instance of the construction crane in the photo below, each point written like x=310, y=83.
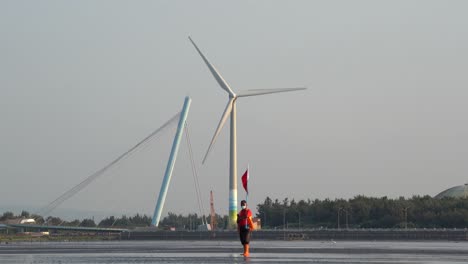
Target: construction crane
x=212, y=213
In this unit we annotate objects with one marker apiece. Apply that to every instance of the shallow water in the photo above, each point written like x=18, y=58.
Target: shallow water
x=228, y=252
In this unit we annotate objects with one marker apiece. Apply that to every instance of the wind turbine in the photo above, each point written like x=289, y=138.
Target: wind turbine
x=231, y=111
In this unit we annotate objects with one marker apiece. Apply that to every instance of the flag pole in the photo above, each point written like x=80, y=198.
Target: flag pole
x=245, y=182
x=247, y=192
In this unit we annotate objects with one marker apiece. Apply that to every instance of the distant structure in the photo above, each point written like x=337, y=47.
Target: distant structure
x=460, y=191
x=213, y=223
x=20, y=220
x=170, y=163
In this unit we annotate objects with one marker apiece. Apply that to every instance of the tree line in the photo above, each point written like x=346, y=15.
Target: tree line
x=357, y=212
x=365, y=212
x=180, y=222
x=112, y=221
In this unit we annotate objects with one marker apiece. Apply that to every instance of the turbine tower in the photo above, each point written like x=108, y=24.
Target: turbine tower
x=231, y=111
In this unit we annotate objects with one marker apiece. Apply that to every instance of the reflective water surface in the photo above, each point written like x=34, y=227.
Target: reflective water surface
x=229, y=252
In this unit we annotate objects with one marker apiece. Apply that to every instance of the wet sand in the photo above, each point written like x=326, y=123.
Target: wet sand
x=228, y=252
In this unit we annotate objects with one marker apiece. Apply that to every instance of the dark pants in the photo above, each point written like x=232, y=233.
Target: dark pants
x=244, y=235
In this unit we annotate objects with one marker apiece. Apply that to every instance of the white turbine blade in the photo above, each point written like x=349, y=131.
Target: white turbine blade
x=224, y=117
x=215, y=72
x=267, y=91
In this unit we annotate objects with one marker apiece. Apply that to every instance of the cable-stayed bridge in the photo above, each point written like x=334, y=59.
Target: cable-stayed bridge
x=179, y=119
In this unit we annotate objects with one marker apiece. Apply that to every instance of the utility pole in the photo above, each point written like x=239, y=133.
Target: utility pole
x=299, y=219
x=284, y=223
x=346, y=215
x=405, y=210
x=338, y=221
x=284, y=219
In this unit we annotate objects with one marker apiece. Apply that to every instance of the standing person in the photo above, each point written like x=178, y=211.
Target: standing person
x=245, y=226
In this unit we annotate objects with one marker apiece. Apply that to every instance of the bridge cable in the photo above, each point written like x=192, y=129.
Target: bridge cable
x=68, y=194
x=195, y=175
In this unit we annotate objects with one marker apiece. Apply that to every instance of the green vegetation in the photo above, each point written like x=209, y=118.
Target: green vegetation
x=191, y=222
x=51, y=220
x=358, y=212
x=365, y=212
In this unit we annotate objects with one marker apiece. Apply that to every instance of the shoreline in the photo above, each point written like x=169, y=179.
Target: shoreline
x=259, y=235
x=306, y=235
x=262, y=247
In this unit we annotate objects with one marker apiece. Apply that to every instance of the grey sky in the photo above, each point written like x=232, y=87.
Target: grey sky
x=385, y=113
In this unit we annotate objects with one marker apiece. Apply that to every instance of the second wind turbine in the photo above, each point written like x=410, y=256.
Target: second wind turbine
x=231, y=111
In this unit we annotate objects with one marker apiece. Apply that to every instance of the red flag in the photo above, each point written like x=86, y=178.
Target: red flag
x=245, y=180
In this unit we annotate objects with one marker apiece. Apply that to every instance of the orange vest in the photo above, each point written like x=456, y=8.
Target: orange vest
x=244, y=219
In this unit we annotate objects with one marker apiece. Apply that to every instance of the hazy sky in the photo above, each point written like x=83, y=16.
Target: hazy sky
x=385, y=113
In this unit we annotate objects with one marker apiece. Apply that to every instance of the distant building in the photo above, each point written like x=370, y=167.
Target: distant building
x=460, y=191
x=36, y=234
x=205, y=227
x=16, y=221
